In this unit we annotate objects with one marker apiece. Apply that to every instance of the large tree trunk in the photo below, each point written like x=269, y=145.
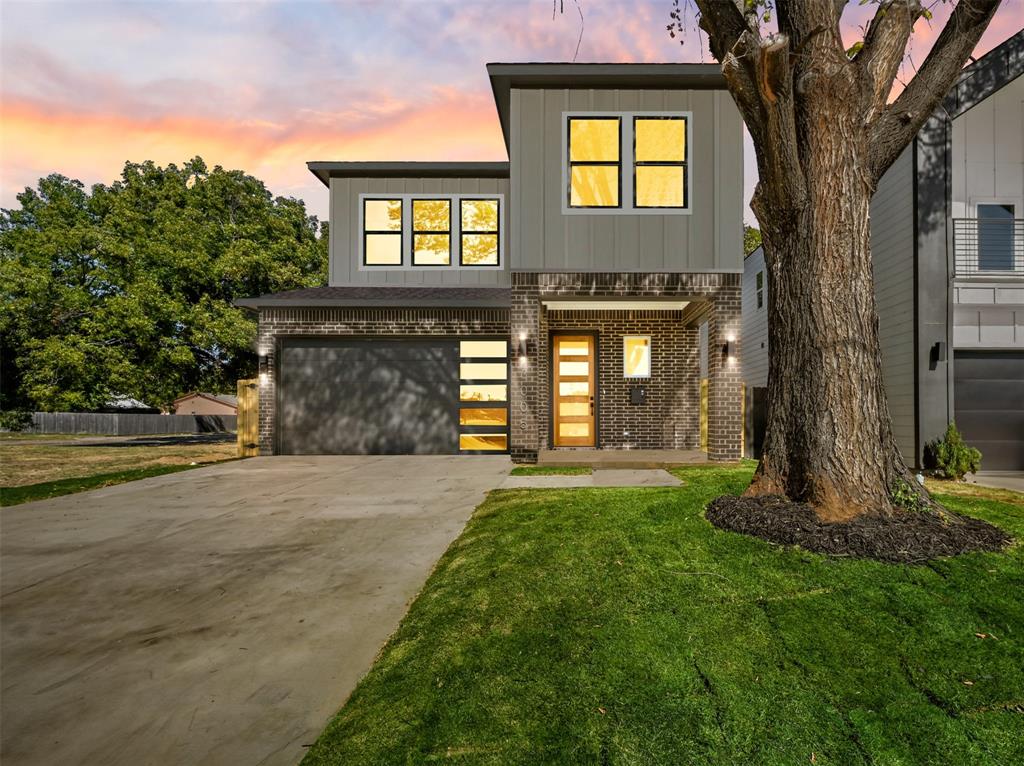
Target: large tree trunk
x=828, y=442
x=824, y=133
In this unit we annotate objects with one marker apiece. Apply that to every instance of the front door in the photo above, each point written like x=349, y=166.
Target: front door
x=573, y=394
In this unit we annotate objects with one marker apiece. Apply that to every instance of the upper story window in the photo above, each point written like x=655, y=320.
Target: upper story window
x=382, y=232
x=759, y=285
x=659, y=162
x=413, y=231
x=431, y=232
x=479, y=226
x=595, y=161
x=626, y=162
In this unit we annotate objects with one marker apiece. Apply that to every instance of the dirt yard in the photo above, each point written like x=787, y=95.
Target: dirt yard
x=43, y=460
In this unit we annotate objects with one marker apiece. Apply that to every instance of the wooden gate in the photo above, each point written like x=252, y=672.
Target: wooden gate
x=248, y=418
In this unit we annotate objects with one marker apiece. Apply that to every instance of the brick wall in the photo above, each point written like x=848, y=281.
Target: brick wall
x=670, y=419
x=278, y=324
x=714, y=297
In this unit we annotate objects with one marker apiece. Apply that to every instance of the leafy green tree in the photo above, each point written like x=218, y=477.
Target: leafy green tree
x=128, y=289
x=751, y=239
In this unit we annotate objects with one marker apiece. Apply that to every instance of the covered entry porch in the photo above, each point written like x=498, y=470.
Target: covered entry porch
x=616, y=366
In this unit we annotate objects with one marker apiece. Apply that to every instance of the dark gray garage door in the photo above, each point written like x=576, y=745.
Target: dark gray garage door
x=369, y=397
x=989, y=403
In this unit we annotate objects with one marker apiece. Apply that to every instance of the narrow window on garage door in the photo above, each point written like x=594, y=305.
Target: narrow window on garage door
x=483, y=396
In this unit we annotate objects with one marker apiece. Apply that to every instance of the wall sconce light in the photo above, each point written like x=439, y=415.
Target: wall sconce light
x=940, y=351
x=729, y=348
x=522, y=348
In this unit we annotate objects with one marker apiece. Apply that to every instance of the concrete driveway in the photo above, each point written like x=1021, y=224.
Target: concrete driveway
x=215, y=616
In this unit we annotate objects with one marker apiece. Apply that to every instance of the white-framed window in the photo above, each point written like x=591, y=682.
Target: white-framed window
x=431, y=231
x=635, y=163
x=636, y=356
x=759, y=285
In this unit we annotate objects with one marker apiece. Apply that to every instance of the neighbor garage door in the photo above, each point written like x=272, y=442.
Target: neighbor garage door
x=989, y=404
x=369, y=397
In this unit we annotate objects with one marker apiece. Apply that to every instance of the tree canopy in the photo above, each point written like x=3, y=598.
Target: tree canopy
x=127, y=289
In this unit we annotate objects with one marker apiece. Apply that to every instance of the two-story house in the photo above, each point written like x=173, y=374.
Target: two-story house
x=556, y=301
x=947, y=239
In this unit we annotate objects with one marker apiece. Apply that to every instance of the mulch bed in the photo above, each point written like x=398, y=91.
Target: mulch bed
x=912, y=537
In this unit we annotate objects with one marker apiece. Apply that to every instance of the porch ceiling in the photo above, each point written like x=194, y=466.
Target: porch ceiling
x=612, y=304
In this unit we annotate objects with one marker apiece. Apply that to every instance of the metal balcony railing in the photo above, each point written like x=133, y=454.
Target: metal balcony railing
x=988, y=246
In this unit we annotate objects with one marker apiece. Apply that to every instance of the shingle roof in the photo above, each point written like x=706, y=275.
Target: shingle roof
x=392, y=297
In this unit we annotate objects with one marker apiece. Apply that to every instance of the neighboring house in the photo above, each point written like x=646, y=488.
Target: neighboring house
x=551, y=302
x=755, y=350
x=198, y=403
x=947, y=238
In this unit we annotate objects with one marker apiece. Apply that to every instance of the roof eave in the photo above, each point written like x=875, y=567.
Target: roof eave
x=325, y=171
x=505, y=76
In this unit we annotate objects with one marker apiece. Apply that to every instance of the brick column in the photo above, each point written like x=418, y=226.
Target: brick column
x=266, y=348
x=526, y=384
x=725, y=384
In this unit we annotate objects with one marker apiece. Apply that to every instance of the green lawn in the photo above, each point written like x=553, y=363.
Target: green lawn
x=617, y=626
x=551, y=470
x=47, y=489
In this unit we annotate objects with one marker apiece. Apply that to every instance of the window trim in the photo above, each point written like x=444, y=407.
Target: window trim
x=414, y=231
x=496, y=232
x=455, y=231
x=627, y=158
x=650, y=357
x=362, y=228
x=570, y=162
x=759, y=289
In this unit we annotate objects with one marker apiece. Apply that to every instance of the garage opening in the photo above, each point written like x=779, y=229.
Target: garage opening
x=373, y=396
x=988, y=398
x=369, y=397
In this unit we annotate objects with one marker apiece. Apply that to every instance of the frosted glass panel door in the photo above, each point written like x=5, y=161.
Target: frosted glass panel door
x=573, y=390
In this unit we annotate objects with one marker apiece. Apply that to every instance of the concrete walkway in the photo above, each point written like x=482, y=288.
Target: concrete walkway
x=601, y=477
x=998, y=479
x=216, y=616
x=621, y=458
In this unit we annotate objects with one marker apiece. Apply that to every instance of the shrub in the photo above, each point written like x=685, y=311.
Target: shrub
x=15, y=420
x=950, y=456
x=905, y=496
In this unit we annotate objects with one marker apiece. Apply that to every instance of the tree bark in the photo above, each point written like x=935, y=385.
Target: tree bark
x=824, y=135
x=828, y=441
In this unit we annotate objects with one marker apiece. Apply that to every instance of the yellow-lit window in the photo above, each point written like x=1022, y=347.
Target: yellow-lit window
x=595, y=162
x=636, y=356
x=659, y=162
x=431, y=232
x=486, y=442
x=483, y=370
x=475, y=392
x=483, y=348
x=382, y=232
x=479, y=232
x=483, y=416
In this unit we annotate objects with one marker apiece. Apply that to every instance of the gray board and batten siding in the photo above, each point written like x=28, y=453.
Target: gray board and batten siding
x=892, y=252
x=346, y=236
x=755, y=322
x=707, y=239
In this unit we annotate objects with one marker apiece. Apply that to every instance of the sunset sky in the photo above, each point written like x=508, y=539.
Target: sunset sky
x=266, y=86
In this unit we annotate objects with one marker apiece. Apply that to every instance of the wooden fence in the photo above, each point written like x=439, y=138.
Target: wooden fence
x=248, y=418
x=128, y=423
